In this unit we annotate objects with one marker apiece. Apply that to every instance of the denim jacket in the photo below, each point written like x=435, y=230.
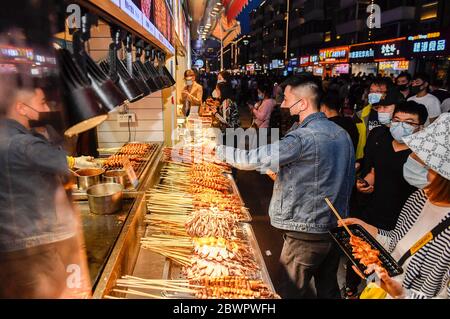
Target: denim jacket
x=34, y=209
x=313, y=161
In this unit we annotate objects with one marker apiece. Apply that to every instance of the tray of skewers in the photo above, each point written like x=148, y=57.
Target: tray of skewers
x=363, y=250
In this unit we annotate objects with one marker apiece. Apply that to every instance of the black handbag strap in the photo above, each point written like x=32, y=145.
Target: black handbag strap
x=442, y=226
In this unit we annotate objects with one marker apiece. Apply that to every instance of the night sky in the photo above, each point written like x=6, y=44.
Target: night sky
x=244, y=16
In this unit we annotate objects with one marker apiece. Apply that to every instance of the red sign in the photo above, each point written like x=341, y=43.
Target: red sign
x=304, y=60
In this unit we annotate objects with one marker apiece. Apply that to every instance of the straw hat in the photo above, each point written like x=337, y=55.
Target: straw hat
x=432, y=145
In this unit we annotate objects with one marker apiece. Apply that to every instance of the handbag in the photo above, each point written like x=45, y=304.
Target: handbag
x=373, y=291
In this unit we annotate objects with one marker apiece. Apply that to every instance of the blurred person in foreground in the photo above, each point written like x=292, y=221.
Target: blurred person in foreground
x=420, y=240
x=382, y=175
x=41, y=246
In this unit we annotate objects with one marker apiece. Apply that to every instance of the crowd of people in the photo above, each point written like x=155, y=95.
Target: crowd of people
x=378, y=148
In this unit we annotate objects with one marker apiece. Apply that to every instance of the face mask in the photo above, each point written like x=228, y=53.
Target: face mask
x=416, y=89
x=374, y=98
x=400, y=130
x=51, y=118
x=261, y=97
x=415, y=174
x=384, y=118
x=403, y=87
x=215, y=94
x=220, y=81
x=188, y=82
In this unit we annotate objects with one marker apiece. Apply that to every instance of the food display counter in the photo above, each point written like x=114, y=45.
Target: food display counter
x=186, y=228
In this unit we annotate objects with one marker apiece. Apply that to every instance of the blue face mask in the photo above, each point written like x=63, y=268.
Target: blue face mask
x=384, y=118
x=415, y=173
x=399, y=130
x=261, y=97
x=374, y=98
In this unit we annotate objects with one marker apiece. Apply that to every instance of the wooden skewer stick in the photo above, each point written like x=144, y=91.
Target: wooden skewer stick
x=338, y=216
x=138, y=293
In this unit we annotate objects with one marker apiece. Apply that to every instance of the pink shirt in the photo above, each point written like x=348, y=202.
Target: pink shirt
x=262, y=112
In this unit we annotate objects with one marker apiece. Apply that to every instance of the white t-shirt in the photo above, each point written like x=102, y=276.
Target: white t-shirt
x=429, y=218
x=445, y=107
x=431, y=103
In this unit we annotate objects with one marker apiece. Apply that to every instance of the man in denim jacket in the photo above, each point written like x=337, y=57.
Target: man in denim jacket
x=313, y=161
x=38, y=227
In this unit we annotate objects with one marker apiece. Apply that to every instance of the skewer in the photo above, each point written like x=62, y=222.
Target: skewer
x=338, y=216
x=138, y=293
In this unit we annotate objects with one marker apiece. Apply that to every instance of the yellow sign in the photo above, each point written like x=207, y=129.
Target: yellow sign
x=422, y=242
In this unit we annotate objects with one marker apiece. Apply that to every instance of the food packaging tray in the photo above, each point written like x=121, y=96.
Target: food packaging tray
x=342, y=238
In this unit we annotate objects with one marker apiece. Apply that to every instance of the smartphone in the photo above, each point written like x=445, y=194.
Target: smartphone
x=363, y=181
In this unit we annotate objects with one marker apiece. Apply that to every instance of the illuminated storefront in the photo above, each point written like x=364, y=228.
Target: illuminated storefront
x=431, y=51
x=362, y=59
x=332, y=58
x=391, y=56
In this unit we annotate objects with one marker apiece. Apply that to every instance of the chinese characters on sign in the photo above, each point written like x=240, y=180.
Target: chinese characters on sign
x=362, y=54
x=434, y=42
x=390, y=49
x=334, y=55
x=429, y=46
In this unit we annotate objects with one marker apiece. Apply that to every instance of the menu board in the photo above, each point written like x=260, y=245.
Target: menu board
x=153, y=15
x=133, y=9
x=147, y=9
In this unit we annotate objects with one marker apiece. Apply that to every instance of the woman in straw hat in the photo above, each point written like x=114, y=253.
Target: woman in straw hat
x=420, y=241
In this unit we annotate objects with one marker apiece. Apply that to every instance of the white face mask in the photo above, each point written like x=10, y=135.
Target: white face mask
x=384, y=118
x=415, y=173
x=399, y=130
x=188, y=82
x=374, y=98
x=215, y=94
x=220, y=81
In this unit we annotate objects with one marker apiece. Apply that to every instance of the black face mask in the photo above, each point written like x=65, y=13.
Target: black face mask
x=416, y=89
x=52, y=118
x=403, y=87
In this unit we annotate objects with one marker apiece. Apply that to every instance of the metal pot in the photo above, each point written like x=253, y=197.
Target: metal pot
x=105, y=198
x=118, y=176
x=89, y=177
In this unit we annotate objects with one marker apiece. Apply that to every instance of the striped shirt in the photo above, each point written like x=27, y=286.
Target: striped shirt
x=427, y=274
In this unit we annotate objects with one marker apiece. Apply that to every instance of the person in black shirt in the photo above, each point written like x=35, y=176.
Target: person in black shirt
x=330, y=106
x=385, y=155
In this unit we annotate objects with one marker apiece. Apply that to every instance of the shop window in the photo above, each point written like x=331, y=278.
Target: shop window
x=429, y=11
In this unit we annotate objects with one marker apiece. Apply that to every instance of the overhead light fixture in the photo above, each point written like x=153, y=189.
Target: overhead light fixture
x=84, y=110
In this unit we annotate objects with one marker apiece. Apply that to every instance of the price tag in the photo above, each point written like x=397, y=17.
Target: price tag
x=130, y=172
